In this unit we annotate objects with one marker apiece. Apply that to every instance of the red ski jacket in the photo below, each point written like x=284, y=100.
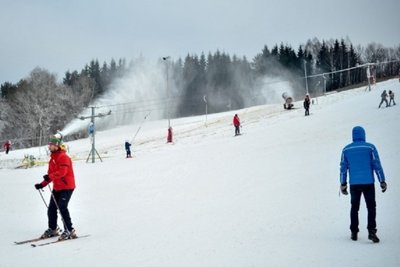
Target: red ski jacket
x=236, y=121
x=60, y=172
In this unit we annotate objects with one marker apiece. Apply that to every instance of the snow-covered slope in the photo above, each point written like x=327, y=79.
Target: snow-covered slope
x=266, y=198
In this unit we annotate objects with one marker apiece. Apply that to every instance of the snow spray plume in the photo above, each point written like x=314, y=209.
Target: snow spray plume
x=129, y=98
x=272, y=88
x=279, y=80
x=243, y=91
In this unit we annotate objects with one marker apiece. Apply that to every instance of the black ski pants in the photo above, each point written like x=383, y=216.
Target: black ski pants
x=62, y=198
x=368, y=190
x=237, y=129
x=383, y=100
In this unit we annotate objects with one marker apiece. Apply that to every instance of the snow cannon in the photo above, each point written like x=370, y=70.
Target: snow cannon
x=288, y=101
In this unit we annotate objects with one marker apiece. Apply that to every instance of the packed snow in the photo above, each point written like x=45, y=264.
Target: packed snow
x=269, y=197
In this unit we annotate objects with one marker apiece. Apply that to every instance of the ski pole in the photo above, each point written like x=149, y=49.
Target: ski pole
x=44, y=201
x=55, y=202
x=41, y=195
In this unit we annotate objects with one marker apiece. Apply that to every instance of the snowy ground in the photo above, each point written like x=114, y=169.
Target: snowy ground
x=266, y=198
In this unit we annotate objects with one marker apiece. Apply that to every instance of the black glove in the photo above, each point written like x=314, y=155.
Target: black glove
x=383, y=186
x=38, y=186
x=46, y=178
x=343, y=189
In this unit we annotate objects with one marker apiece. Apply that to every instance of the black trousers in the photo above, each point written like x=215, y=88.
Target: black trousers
x=307, y=112
x=62, y=198
x=368, y=190
x=384, y=100
x=237, y=130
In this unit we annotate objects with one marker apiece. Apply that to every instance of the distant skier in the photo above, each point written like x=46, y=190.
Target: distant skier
x=61, y=173
x=391, y=98
x=128, y=149
x=384, y=99
x=236, y=123
x=7, y=146
x=361, y=159
x=169, y=135
x=306, y=105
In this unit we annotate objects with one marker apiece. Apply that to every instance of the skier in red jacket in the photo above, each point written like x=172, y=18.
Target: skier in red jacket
x=236, y=123
x=61, y=173
x=7, y=146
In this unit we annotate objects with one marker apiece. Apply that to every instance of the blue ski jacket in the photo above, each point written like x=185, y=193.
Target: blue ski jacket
x=127, y=146
x=360, y=159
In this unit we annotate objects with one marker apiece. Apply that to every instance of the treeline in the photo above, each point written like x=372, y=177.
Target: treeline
x=232, y=82
x=223, y=81
x=101, y=76
x=38, y=105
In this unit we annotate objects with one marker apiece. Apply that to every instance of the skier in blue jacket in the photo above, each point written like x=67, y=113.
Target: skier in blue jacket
x=361, y=160
x=128, y=149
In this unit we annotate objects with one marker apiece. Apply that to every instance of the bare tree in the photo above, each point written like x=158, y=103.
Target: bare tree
x=41, y=106
x=375, y=52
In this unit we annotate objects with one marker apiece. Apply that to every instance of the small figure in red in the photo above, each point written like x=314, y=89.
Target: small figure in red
x=7, y=146
x=236, y=123
x=169, y=138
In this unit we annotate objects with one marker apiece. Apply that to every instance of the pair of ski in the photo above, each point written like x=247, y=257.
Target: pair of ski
x=33, y=242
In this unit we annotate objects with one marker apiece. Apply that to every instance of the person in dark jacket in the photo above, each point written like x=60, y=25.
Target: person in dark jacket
x=236, y=123
x=384, y=99
x=391, y=98
x=360, y=159
x=128, y=149
x=306, y=105
x=61, y=174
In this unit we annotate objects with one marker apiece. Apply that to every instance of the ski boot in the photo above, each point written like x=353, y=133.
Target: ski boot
x=373, y=237
x=50, y=233
x=354, y=236
x=68, y=235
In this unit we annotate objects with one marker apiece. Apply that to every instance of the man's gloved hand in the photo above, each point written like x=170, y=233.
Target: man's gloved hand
x=46, y=178
x=383, y=186
x=343, y=189
x=38, y=186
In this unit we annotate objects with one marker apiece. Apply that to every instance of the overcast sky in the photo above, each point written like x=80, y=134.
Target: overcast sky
x=62, y=35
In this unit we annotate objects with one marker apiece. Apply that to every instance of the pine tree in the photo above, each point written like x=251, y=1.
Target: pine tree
x=300, y=59
x=7, y=89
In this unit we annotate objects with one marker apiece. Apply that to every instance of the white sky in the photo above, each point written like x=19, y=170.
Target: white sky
x=62, y=35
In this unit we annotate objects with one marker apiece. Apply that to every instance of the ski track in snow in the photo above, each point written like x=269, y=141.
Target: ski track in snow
x=266, y=198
